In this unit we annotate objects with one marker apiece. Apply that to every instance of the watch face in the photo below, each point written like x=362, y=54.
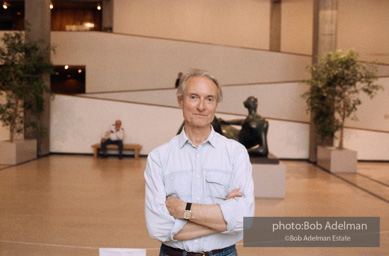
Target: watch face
x=187, y=214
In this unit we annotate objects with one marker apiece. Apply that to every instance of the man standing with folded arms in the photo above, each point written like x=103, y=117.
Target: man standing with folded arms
x=199, y=185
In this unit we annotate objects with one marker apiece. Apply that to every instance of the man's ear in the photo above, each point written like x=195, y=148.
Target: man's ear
x=180, y=102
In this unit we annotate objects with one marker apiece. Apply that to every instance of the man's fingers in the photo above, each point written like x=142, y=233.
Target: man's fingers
x=234, y=193
x=175, y=206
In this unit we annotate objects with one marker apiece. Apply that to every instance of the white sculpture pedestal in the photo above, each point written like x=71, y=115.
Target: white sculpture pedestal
x=269, y=177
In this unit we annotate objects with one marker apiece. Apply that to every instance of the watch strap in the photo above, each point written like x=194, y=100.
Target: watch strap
x=188, y=206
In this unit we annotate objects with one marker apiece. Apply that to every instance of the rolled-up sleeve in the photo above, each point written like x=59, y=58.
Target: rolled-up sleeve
x=160, y=224
x=235, y=209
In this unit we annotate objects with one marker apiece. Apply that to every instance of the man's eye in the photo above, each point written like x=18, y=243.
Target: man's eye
x=211, y=99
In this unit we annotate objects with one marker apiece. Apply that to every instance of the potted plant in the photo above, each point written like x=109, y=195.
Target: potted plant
x=336, y=82
x=23, y=65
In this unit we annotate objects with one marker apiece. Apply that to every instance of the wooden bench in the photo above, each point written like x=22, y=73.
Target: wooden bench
x=135, y=147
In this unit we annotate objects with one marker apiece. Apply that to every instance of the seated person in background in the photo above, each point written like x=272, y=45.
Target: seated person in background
x=114, y=135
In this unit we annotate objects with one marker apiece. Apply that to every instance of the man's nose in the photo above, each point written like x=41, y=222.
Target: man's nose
x=201, y=105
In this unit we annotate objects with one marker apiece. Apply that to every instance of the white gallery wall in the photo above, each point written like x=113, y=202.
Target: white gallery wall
x=144, y=112
x=362, y=24
x=276, y=101
x=297, y=26
x=79, y=122
x=373, y=114
x=243, y=23
x=280, y=101
x=117, y=62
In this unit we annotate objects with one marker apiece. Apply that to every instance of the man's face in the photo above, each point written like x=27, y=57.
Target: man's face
x=117, y=125
x=199, y=102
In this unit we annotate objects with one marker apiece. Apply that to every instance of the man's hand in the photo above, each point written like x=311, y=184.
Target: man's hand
x=234, y=193
x=103, y=140
x=175, y=206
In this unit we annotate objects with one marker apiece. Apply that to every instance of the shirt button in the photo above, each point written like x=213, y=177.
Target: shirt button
x=171, y=178
x=197, y=176
x=198, y=198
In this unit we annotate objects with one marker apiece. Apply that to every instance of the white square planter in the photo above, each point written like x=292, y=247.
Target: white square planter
x=19, y=151
x=336, y=160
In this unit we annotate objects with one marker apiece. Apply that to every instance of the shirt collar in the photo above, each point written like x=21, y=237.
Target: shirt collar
x=183, y=139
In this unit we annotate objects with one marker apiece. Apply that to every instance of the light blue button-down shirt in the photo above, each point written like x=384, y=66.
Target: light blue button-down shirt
x=203, y=175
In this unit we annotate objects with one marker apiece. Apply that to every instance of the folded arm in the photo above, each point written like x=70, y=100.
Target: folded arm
x=205, y=219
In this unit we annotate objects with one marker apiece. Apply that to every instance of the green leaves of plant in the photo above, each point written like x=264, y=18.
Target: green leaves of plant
x=334, y=89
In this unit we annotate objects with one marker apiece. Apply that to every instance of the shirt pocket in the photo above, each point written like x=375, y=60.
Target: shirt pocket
x=217, y=184
x=178, y=184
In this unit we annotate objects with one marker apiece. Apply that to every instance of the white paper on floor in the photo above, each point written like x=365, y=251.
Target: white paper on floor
x=122, y=252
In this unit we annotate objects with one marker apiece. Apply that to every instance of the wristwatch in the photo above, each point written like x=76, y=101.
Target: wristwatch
x=187, y=213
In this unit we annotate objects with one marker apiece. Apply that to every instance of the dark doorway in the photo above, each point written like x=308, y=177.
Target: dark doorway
x=76, y=16
x=70, y=15
x=11, y=15
x=68, y=79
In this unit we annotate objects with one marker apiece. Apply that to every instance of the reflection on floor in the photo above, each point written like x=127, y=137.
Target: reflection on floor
x=73, y=205
x=373, y=178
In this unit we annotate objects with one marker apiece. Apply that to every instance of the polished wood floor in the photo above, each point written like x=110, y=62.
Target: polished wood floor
x=74, y=205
